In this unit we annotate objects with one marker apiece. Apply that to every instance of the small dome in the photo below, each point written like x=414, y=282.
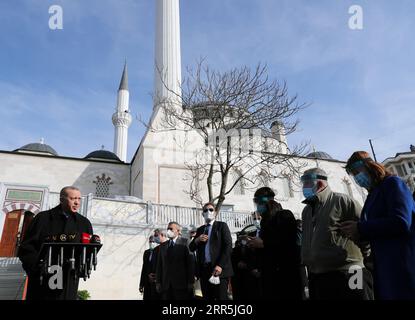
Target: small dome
x=103, y=154
x=38, y=148
x=319, y=155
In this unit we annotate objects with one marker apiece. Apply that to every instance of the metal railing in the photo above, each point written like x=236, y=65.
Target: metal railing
x=112, y=211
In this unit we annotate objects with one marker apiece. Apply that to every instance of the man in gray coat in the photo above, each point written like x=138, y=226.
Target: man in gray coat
x=334, y=262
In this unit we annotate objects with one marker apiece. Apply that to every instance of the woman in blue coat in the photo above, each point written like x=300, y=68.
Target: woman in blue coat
x=387, y=223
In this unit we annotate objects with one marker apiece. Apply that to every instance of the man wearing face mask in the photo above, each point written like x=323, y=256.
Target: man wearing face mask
x=145, y=284
x=327, y=253
x=175, y=267
x=159, y=238
x=213, y=244
x=280, y=270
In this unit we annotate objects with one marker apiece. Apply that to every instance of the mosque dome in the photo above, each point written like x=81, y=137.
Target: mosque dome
x=103, y=154
x=320, y=155
x=40, y=148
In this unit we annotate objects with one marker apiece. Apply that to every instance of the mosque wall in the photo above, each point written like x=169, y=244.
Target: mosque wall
x=57, y=172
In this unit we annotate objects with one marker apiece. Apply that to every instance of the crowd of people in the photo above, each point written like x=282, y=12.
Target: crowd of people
x=338, y=250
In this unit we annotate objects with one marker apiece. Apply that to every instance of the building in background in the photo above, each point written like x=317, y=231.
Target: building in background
x=403, y=165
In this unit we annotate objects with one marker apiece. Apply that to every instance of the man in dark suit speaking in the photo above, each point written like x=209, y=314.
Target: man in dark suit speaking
x=213, y=244
x=62, y=220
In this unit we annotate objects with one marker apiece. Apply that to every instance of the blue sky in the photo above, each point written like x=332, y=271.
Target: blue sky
x=61, y=85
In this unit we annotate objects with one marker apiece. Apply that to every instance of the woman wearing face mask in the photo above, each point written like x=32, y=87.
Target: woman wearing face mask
x=387, y=223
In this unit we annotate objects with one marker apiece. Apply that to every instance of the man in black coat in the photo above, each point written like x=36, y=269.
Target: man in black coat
x=175, y=267
x=246, y=263
x=213, y=244
x=147, y=285
x=281, y=260
x=63, y=219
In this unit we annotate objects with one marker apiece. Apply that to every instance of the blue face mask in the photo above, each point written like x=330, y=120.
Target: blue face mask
x=363, y=180
x=257, y=223
x=309, y=192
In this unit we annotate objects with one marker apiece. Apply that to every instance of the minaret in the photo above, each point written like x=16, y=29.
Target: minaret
x=167, y=73
x=122, y=118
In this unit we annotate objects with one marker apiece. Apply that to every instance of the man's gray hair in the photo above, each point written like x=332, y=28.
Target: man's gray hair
x=179, y=227
x=64, y=190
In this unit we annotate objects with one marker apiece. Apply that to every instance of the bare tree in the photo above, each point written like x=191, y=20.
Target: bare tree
x=242, y=118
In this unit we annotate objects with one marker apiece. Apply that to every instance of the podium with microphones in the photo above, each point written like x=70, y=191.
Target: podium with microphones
x=75, y=254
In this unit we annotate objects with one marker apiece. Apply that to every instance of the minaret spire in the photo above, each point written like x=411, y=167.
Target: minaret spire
x=124, y=78
x=167, y=71
x=122, y=117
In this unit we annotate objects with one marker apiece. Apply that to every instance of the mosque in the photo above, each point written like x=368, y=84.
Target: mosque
x=32, y=175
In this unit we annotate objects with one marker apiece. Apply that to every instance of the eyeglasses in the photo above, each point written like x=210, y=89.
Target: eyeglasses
x=208, y=209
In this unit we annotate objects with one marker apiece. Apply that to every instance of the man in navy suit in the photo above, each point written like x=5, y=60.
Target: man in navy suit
x=213, y=245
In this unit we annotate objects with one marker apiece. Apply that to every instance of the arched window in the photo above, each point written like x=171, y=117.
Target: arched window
x=284, y=188
x=264, y=179
x=239, y=188
x=102, y=186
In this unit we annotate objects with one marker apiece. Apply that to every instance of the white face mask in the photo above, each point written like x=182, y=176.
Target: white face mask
x=214, y=280
x=170, y=234
x=257, y=223
x=153, y=245
x=209, y=216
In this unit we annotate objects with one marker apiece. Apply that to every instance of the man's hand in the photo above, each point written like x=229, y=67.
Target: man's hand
x=242, y=265
x=217, y=271
x=349, y=229
x=202, y=238
x=256, y=273
x=255, y=243
x=152, y=277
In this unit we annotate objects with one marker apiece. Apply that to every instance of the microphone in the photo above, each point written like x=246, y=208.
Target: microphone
x=86, y=238
x=97, y=240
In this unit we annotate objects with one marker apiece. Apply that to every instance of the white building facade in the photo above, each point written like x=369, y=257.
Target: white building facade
x=403, y=165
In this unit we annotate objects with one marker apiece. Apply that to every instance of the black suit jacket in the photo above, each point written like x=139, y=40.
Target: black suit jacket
x=146, y=269
x=175, y=269
x=220, y=248
x=279, y=234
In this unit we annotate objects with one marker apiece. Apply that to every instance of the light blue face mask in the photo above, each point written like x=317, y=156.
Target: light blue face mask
x=363, y=180
x=257, y=223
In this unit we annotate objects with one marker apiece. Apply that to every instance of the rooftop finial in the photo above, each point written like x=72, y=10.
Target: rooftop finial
x=42, y=141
